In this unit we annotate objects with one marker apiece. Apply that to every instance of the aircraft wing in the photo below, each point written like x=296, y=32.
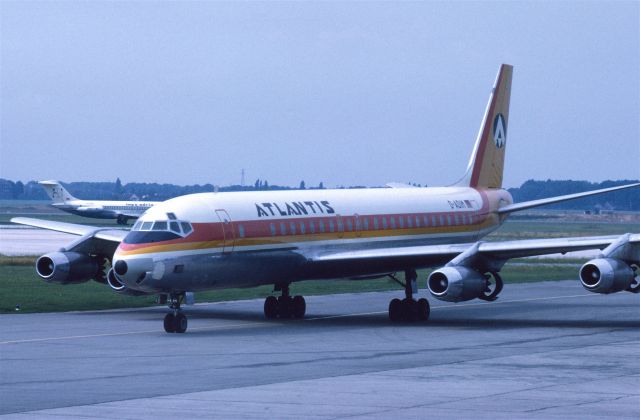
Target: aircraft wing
x=93, y=239
x=489, y=254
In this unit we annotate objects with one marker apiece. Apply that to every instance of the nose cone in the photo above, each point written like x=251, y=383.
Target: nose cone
x=132, y=272
x=121, y=267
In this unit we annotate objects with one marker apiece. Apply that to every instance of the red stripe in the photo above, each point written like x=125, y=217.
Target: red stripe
x=485, y=135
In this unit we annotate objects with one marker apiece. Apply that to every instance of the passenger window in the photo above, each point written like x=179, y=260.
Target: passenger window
x=365, y=222
x=312, y=226
x=401, y=221
x=340, y=225
x=272, y=227
x=441, y=220
x=384, y=223
x=331, y=227
x=302, y=230
x=349, y=225
x=375, y=223
x=392, y=221
x=241, y=231
x=175, y=227
x=409, y=222
x=160, y=226
x=448, y=220
x=283, y=229
x=292, y=226
x=146, y=226
x=321, y=225
x=186, y=228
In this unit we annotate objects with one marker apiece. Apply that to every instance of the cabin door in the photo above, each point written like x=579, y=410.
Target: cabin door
x=227, y=230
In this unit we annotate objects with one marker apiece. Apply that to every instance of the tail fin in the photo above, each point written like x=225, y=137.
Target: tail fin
x=56, y=192
x=487, y=160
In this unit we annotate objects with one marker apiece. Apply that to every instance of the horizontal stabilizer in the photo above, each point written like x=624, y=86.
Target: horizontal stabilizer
x=551, y=200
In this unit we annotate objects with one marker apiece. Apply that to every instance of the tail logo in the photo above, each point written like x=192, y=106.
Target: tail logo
x=499, y=131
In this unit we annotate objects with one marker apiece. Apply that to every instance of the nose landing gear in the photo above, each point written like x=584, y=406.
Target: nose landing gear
x=175, y=321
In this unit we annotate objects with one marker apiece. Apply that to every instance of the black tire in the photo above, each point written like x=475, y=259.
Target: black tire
x=285, y=304
x=170, y=323
x=271, y=307
x=409, y=310
x=298, y=307
x=395, y=310
x=181, y=323
x=424, y=310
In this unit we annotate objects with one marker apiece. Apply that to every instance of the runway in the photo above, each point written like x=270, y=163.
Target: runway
x=543, y=350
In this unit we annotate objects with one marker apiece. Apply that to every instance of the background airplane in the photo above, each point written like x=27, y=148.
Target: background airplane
x=122, y=211
x=244, y=239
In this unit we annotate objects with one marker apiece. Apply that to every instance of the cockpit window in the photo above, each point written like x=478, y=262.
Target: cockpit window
x=158, y=231
x=186, y=228
x=160, y=226
x=175, y=227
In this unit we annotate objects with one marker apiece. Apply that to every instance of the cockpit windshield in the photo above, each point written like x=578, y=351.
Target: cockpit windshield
x=158, y=230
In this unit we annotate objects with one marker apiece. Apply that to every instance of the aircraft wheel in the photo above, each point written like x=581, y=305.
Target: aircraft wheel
x=284, y=306
x=271, y=307
x=170, y=323
x=299, y=307
x=423, y=309
x=181, y=323
x=395, y=310
x=409, y=310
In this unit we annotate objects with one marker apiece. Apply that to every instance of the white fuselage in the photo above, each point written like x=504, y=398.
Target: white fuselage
x=250, y=238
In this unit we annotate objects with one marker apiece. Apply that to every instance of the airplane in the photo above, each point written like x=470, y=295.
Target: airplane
x=245, y=239
x=122, y=211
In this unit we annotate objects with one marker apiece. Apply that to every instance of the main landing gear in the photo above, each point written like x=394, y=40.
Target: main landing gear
x=284, y=306
x=408, y=309
x=175, y=321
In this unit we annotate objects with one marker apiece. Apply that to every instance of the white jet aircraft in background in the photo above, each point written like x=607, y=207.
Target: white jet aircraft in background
x=97, y=209
x=245, y=239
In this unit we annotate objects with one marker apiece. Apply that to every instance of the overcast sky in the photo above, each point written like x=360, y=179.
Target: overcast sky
x=349, y=93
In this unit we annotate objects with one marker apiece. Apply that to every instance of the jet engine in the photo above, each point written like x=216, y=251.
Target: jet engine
x=119, y=287
x=67, y=267
x=607, y=275
x=456, y=284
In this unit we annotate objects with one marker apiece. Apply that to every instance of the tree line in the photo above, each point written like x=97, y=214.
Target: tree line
x=625, y=200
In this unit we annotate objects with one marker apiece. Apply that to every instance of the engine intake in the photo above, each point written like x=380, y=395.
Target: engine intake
x=67, y=267
x=606, y=275
x=456, y=284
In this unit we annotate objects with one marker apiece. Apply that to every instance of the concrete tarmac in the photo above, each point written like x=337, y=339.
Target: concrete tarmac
x=19, y=240
x=543, y=350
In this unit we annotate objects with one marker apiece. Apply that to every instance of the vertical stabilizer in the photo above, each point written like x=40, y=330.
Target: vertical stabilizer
x=56, y=192
x=487, y=160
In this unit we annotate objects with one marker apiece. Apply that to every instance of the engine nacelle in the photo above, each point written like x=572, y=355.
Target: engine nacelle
x=67, y=267
x=456, y=284
x=606, y=275
x=119, y=287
